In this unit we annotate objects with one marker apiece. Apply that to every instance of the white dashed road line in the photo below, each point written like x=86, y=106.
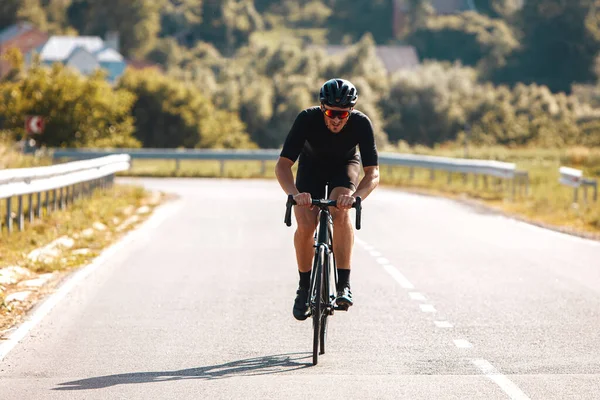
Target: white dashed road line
x=417, y=296
x=462, y=344
x=505, y=384
x=485, y=367
x=427, y=308
x=397, y=275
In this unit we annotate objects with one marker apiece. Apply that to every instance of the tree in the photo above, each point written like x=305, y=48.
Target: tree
x=79, y=111
x=471, y=38
x=178, y=19
x=8, y=12
x=171, y=114
x=559, y=45
x=497, y=8
x=137, y=22
x=353, y=20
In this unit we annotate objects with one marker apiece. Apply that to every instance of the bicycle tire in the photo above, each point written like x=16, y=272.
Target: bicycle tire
x=317, y=306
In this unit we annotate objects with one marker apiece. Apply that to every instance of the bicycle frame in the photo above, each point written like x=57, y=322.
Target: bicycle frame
x=323, y=280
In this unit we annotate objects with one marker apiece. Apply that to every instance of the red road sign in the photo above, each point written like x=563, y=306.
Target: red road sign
x=34, y=124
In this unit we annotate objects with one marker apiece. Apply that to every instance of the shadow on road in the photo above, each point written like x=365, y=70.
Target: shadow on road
x=249, y=367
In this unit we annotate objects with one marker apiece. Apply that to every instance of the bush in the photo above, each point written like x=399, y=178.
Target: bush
x=171, y=114
x=78, y=111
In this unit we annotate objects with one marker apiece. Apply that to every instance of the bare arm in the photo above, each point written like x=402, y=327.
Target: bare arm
x=283, y=172
x=368, y=183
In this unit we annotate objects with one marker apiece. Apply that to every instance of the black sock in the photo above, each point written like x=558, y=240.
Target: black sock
x=304, y=279
x=343, y=278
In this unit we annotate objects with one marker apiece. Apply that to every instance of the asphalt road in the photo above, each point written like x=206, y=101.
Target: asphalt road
x=450, y=303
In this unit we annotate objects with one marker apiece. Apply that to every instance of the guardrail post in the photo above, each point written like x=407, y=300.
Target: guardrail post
x=62, y=198
x=54, y=200
x=30, y=210
x=449, y=177
x=595, y=191
x=575, y=192
x=485, y=182
x=411, y=174
x=9, y=222
x=21, y=219
x=432, y=175
x=465, y=179
x=263, y=168
x=47, y=201
x=513, y=182
x=177, y=165
x=222, y=168
x=39, y=204
x=475, y=181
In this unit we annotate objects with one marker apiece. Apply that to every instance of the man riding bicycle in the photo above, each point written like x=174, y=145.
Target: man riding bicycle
x=324, y=140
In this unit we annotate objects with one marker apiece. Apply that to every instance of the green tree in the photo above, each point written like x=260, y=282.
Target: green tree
x=497, y=8
x=8, y=12
x=227, y=24
x=351, y=21
x=137, y=22
x=471, y=38
x=178, y=19
x=79, y=111
x=559, y=45
x=171, y=114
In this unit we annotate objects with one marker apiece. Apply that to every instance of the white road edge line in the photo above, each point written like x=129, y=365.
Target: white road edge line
x=157, y=217
x=443, y=324
x=397, y=275
x=505, y=384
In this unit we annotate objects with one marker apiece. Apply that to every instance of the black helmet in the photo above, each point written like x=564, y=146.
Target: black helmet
x=338, y=93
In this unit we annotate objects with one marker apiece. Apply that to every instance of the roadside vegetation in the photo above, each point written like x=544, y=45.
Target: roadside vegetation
x=63, y=240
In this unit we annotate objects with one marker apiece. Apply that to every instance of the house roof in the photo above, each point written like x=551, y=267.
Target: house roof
x=394, y=58
x=59, y=48
x=14, y=30
x=109, y=55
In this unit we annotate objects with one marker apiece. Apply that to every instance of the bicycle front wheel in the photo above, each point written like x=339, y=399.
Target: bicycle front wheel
x=317, y=303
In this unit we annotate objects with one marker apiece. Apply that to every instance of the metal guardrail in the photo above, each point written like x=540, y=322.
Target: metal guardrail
x=62, y=184
x=504, y=172
x=574, y=178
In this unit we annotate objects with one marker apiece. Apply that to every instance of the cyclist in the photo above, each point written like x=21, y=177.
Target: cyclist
x=324, y=140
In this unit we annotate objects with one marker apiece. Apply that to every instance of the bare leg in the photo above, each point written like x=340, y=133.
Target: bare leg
x=343, y=233
x=304, y=237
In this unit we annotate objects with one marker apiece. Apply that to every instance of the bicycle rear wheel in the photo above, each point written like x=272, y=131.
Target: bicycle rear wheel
x=317, y=304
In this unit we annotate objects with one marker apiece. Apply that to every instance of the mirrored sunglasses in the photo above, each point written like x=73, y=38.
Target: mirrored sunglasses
x=334, y=113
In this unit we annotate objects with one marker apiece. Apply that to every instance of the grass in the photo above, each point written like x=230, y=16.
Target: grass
x=115, y=208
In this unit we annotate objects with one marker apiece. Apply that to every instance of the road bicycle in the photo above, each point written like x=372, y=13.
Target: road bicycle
x=323, y=279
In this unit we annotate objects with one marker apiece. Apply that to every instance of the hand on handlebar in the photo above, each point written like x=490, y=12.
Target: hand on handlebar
x=303, y=200
x=345, y=201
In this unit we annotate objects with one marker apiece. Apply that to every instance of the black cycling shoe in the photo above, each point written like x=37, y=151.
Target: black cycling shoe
x=344, y=297
x=301, y=304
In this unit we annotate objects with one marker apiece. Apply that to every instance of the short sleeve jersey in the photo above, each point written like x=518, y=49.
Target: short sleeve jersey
x=310, y=137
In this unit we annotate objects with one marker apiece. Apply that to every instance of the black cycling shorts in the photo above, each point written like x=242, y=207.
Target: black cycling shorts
x=312, y=177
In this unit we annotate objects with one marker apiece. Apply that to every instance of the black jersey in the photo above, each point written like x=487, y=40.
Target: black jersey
x=310, y=137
